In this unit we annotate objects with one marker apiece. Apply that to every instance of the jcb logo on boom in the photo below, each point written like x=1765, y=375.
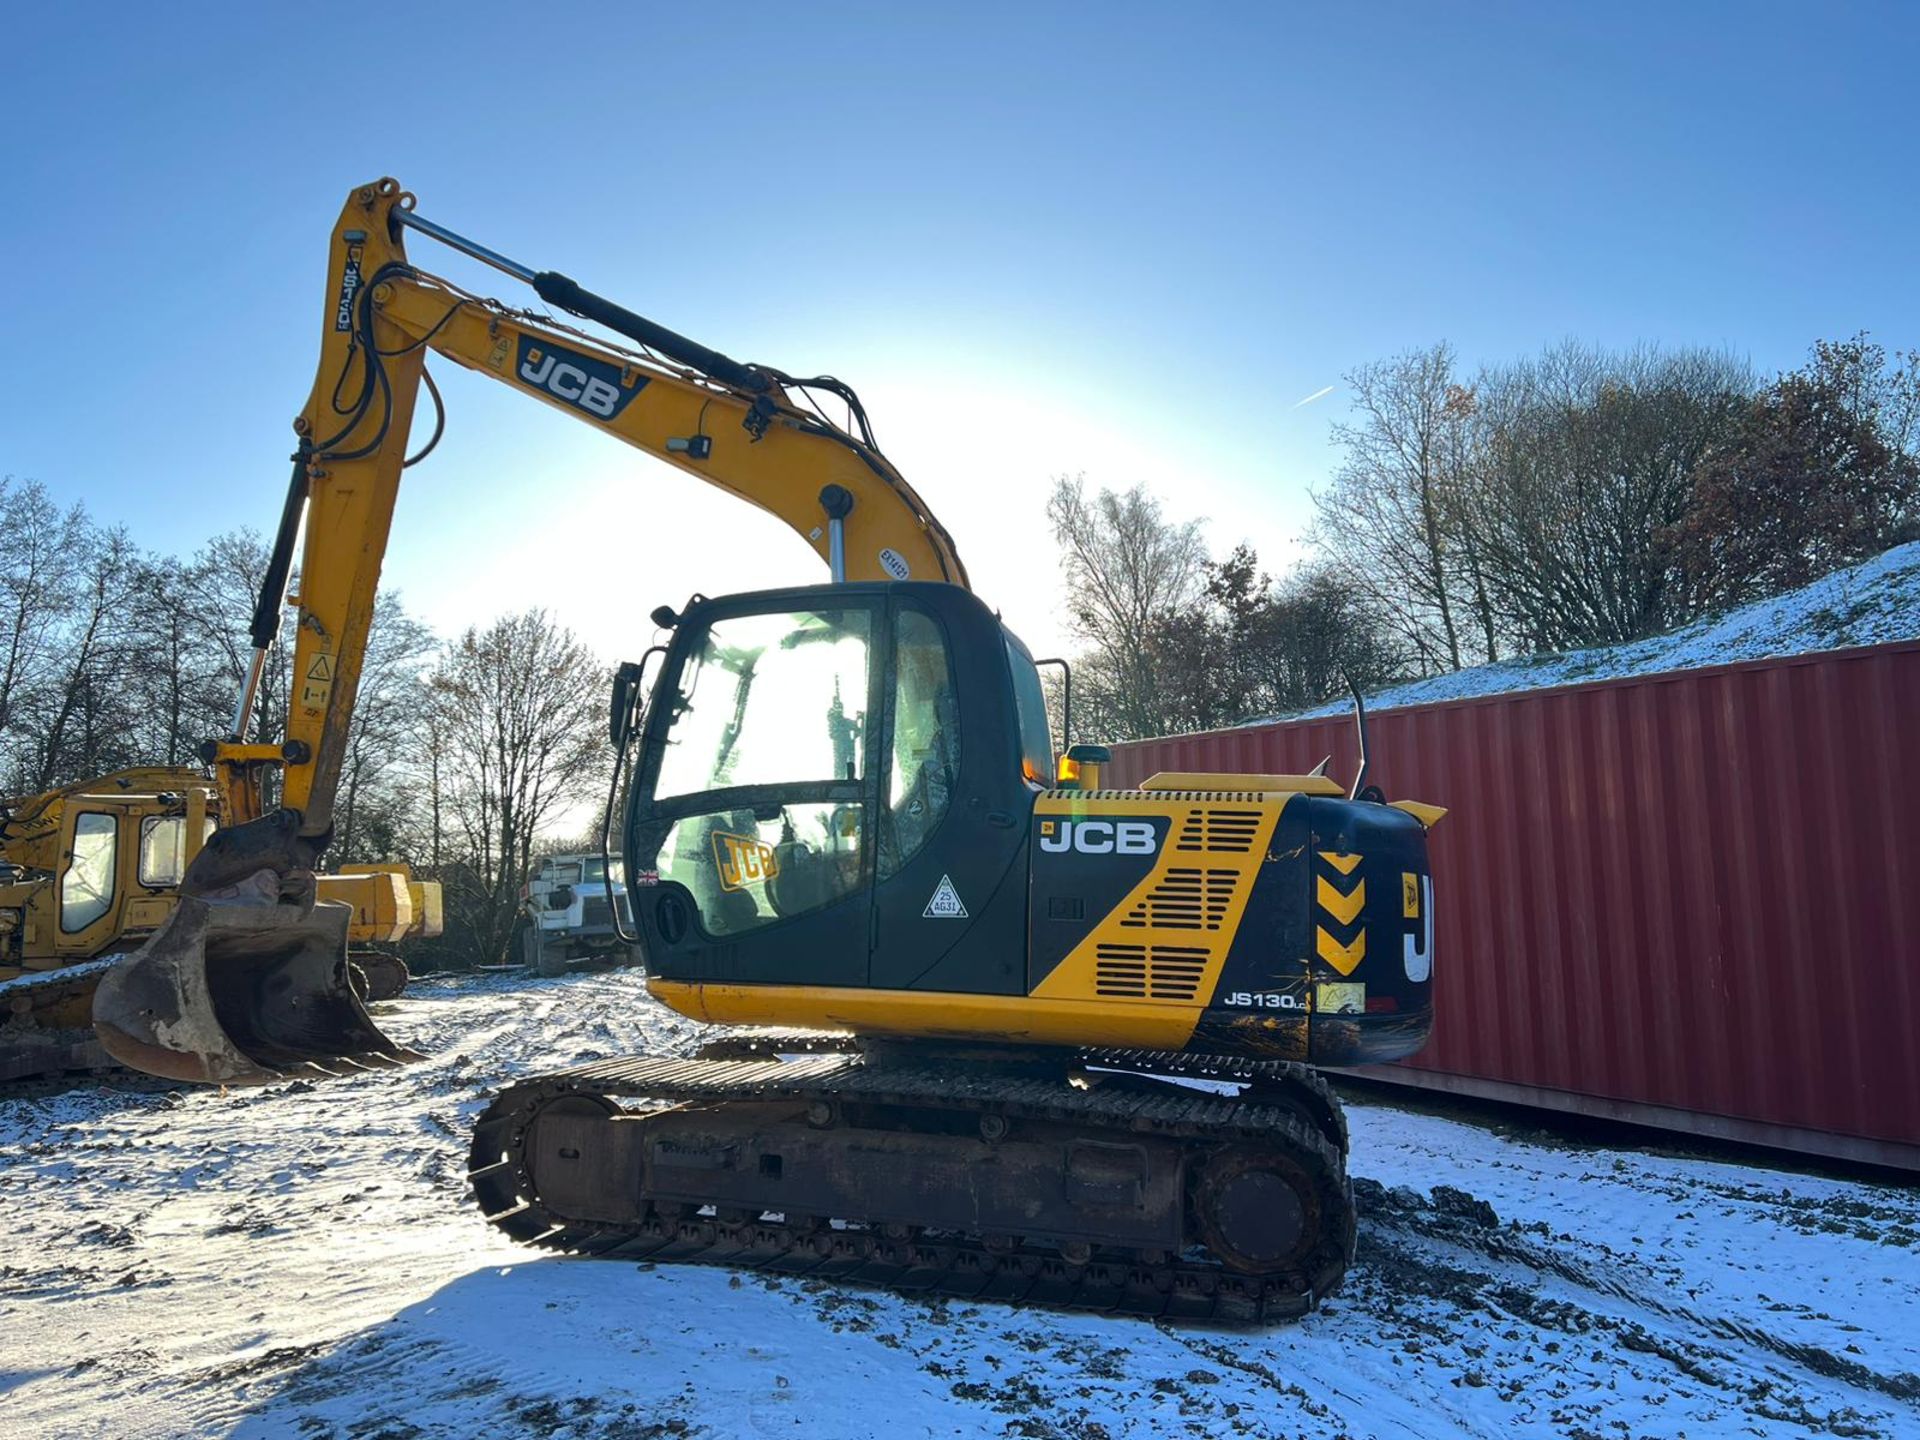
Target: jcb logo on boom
x=578, y=380
x=1099, y=837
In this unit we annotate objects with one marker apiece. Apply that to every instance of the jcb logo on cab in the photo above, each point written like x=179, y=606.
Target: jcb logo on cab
x=743, y=860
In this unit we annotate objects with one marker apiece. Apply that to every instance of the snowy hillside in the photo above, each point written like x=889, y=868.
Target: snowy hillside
x=1876, y=601
x=305, y=1262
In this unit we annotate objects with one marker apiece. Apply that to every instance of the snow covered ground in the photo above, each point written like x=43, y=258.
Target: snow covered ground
x=1868, y=604
x=304, y=1262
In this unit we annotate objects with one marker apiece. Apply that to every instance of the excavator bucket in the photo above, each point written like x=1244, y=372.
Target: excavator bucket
x=235, y=993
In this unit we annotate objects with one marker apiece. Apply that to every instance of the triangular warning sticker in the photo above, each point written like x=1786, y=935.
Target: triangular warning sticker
x=321, y=668
x=945, y=904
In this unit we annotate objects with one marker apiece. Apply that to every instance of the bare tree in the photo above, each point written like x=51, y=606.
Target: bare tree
x=1391, y=518
x=220, y=586
x=172, y=668
x=86, y=724
x=1255, y=647
x=41, y=549
x=521, y=705
x=1125, y=565
x=370, y=815
x=1314, y=634
x=1584, y=471
x=160, y=668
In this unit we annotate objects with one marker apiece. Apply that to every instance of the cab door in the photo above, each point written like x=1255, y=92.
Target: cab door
x=950, y=898
x=159, y=862
x=88, y=887
x=751, y=835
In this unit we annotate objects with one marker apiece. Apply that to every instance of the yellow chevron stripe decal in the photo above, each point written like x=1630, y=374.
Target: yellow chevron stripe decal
x=1344, y=908
x=1344, y=958
x=1343, y=863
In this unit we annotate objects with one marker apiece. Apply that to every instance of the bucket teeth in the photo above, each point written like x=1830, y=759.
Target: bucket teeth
x=237, y=993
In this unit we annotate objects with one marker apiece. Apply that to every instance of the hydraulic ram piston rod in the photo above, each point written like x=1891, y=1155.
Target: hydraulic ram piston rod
x=558, y=289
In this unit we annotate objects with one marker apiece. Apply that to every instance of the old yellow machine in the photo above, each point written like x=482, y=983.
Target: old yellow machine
x=1022, y=994
x=89, y=870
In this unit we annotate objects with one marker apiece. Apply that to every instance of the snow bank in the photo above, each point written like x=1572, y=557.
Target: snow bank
x=1868, y=604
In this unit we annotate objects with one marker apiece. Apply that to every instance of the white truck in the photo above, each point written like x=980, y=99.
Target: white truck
x=564, y=903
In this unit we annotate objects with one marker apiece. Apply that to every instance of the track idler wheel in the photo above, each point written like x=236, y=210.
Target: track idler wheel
x=1256, y=1210
x=378, y=975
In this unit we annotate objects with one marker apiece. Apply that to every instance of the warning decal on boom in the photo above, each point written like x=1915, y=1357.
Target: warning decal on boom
x=318, y=684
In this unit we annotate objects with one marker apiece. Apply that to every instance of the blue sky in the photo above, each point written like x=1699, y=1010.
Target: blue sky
x=1038, y=238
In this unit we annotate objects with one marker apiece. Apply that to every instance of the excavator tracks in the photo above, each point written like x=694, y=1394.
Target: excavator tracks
x=1093, y=1181
x=1279, y=1081
x=44, y=1029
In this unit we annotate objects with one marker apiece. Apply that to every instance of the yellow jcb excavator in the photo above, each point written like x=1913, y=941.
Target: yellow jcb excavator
x=843, y=813
x=89, y=870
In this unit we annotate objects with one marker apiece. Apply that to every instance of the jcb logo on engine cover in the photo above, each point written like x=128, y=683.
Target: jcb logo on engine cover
x=600, y=389
x=1099, y=837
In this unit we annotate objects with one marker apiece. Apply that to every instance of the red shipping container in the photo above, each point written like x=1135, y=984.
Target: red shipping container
x=1688, y=899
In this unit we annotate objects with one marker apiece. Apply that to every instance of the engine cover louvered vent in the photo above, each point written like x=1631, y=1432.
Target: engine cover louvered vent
x=1188, y=899
x=1223, y=832
x=1149, y=972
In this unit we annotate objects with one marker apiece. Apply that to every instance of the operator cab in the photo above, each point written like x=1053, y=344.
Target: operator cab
x=825, y=769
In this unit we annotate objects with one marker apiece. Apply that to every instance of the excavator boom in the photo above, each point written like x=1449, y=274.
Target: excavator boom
x=238, y=987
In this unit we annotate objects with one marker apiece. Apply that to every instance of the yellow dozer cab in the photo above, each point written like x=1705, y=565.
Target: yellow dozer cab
x=89, y=871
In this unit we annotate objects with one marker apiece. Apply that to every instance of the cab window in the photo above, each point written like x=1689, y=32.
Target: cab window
x=86, y=890
x=924, y=757
x=163, y=850
x=750, y=866
x=1036, y=738
x=770, y=699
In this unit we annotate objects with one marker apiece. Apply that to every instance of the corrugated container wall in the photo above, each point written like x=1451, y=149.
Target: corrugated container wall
x=1691, y=898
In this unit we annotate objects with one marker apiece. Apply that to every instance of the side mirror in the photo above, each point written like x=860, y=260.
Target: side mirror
x=1066, y=697
x=626, y=690
x=628, y=695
